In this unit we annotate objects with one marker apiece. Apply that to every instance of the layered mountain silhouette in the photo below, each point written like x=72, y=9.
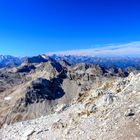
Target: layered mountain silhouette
x=108, y=62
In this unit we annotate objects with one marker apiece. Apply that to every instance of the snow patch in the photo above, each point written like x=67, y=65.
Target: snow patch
x=7, y=98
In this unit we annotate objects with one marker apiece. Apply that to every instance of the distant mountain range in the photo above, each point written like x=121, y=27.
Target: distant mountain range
x=122, y=62
x=107, y=62
x=9, y=61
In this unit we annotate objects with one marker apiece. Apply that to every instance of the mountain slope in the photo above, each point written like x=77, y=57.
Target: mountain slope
x=81, y=100
x=103, y=113
x=37, y=86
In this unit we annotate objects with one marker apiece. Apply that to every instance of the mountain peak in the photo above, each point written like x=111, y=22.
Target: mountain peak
x=37, y=59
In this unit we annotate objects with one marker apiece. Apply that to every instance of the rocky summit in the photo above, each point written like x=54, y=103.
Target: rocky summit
x=52, y=99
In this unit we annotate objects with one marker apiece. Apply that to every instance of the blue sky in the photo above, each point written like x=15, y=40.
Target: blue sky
x=31, y=27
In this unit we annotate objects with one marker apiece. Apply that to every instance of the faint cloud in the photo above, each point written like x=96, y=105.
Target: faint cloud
x=127, y=49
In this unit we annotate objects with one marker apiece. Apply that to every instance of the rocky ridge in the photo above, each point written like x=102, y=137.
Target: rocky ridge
x=67, y=100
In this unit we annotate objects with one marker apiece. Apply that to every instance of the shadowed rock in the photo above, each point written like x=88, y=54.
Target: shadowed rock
x=26, y=68
x=42, y=89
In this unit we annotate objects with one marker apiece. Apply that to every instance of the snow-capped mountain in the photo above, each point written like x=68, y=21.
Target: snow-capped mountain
x=9, y=61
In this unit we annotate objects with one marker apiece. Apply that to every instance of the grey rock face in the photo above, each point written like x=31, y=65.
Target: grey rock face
x=40, y=90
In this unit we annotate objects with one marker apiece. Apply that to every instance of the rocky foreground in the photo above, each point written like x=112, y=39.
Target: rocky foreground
x=109, y=112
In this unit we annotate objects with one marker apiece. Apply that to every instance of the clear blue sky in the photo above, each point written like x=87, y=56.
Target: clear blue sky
x=30, y=27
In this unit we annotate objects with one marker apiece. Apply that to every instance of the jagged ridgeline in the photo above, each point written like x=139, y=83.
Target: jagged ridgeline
x=122, y=62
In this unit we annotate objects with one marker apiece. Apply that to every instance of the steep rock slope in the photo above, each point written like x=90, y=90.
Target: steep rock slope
x=109, y=112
